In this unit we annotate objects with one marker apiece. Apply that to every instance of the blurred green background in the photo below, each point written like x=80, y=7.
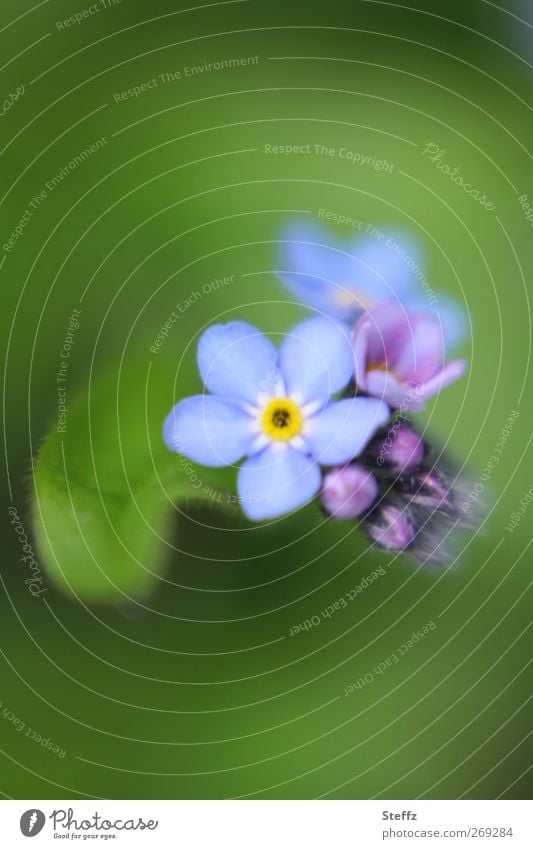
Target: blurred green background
x=197, y=690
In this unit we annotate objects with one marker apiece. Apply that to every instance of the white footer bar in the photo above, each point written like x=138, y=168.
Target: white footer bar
x=268, y=824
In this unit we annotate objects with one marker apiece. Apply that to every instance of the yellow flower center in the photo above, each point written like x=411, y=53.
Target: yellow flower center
x=281, y=419
x=383, y=368
x=348, y=298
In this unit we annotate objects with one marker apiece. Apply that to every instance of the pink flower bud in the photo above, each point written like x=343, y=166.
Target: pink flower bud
x=391, y=529
x=402, y=450
x=430, y=492
x=348, y=491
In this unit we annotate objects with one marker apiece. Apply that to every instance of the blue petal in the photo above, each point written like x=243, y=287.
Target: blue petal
x=208, y=430
x=450, y=313
x=236, y=361
x=341, y=278
x=387, y=266
x=342, y=429
x=316, y=359
x=276, y=481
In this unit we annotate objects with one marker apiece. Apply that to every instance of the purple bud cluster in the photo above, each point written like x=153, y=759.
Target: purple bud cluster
x=404, y=499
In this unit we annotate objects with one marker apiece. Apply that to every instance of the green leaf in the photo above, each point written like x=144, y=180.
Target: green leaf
x=108, y=493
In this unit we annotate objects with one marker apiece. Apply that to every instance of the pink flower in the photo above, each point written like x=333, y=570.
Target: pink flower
x=399, y=356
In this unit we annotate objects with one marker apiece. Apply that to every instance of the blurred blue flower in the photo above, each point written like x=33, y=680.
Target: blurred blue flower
x=342, y=278
x=275, y=410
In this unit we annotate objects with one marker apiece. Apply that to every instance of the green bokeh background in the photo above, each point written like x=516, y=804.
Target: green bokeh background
x=199, y=691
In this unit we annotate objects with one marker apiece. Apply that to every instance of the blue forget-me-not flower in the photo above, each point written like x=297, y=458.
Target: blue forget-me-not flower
x=275, y=409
